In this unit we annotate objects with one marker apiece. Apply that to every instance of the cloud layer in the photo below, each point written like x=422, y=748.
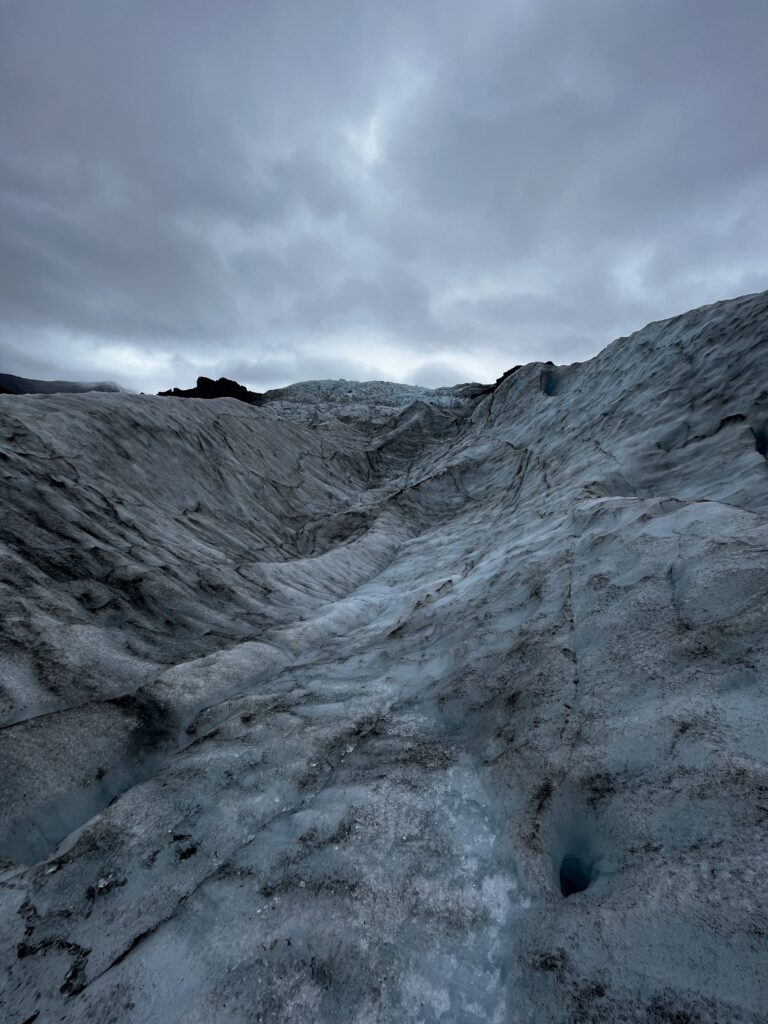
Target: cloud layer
x=428, y=192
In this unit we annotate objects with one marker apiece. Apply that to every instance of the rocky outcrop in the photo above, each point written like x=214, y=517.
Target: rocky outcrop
x=372, y=704
x=221, y=388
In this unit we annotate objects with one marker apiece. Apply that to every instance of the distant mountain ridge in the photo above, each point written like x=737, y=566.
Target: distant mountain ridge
x=10, y=384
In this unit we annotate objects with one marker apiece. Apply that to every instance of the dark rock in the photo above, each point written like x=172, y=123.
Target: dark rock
x=221, y=388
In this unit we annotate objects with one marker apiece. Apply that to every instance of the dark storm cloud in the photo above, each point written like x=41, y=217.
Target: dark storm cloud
x=422, y=191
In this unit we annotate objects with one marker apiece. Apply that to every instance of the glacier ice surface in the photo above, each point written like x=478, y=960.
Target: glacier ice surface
x=376, y=704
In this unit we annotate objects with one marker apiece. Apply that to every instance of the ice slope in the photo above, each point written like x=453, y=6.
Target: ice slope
x=342, y=709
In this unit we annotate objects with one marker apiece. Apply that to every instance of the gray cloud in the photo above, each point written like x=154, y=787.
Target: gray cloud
x=282, y=191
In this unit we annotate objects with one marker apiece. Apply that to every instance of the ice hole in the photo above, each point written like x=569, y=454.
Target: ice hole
x=575, y=875
x=761, y=438
x=549, y=383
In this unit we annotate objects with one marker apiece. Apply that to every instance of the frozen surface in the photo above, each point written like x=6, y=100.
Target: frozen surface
x=376, y=704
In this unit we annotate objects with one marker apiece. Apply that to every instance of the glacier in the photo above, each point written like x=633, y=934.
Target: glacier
x=377, y=703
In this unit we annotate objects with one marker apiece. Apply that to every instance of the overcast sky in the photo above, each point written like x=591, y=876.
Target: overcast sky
x=428, y=190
